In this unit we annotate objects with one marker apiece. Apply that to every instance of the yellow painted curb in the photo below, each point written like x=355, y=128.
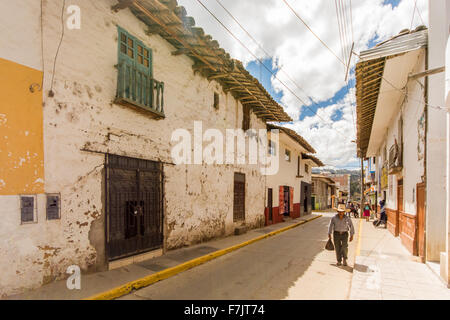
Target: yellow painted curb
x=167, y=273
x=358, y=245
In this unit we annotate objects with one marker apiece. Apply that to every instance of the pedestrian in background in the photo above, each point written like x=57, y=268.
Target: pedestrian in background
x=366, y=212
x=383, y=216
x=340, y=225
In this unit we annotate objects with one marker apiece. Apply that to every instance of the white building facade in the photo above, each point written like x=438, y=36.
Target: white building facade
x=391, y=127
x=289, y=191
x=89, y=178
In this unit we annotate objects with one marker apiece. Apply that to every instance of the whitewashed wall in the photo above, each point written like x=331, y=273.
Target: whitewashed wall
x=411, y=110
x=413, y=169
x=436, y=136
x=81, y=115
x=287, y=171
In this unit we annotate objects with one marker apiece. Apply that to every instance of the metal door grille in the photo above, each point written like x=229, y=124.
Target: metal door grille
x=134, y=206
x=239, y=197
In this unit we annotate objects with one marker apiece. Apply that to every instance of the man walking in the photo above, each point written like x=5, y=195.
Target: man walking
x=340, y=225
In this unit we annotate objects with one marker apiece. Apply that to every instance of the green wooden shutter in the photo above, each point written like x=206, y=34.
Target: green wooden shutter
x=135, y=70
x=143, y=64
x=135, y=84
x=126, y=65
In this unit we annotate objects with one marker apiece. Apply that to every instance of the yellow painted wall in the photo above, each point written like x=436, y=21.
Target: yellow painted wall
x=21, y=130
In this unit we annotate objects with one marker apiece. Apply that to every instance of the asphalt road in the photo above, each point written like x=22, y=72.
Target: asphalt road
x=291, y=265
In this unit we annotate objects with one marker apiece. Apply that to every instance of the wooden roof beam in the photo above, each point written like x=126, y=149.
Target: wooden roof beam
x=121, y=5
x=220, y=76
x=162, y=24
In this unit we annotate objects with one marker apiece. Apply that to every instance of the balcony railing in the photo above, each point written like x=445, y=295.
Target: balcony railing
x=137, y=88
x=395, y=159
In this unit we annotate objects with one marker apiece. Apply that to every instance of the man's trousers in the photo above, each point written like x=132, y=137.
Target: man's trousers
x=341, y=245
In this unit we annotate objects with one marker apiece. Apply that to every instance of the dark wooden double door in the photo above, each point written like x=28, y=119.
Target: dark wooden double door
x=134, y=200
x=305, y=197
x=420, y=194
x=239, y=197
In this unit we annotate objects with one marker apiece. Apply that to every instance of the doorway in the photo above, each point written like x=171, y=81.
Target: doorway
x=134, y=211
x=305, y=197
x=420, y=223
x=270, y=203
x=286, y=201
x=399, y=206
x=239, y=197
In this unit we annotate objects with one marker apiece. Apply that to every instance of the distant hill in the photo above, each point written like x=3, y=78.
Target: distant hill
x=353, y=172
x=355, y=183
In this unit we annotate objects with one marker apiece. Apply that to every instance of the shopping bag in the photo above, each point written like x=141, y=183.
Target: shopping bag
x=329, y=246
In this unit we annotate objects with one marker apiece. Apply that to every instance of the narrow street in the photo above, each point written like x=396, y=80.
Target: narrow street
x=291, y=265
x=197, y=150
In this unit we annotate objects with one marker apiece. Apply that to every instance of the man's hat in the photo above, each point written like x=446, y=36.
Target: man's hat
x=341, y=207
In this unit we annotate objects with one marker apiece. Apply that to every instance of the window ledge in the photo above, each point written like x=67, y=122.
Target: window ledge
x=130, y=103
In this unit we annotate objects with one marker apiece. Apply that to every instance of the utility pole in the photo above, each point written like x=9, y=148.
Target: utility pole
x=362, y=185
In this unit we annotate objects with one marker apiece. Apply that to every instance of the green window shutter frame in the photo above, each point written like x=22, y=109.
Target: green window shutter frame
x=135, y=81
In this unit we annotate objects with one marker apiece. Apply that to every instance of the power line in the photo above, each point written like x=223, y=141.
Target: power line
x=344, y=28
x=42, y=44
x=332, y=50
x=59, y=46
x=414, y=11
x=420, y=16
x=307, y=26
x=351, y=21
x=405, y=93
x=437, y=107
x=242, y=44
x=341, y=22
x=340, y=30
x=260, y=46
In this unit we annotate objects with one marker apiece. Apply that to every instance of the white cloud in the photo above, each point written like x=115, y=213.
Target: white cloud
x=304, y=58
x=331, y=139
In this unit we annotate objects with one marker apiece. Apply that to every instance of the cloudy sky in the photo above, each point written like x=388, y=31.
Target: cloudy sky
x=309, y=79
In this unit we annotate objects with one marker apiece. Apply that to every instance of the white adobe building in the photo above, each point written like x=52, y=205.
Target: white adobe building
x=391, y=126
x=289, y=191
x=88, y=179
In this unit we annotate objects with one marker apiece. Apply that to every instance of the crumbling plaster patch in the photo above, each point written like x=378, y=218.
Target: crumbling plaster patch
x=198, y=202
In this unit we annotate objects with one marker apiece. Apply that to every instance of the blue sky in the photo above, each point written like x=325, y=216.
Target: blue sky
x=394, y=3
x=292, y=44
x=264, y=76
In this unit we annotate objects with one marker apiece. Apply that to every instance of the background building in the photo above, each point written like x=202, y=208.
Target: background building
x=87, y=176
x=289, y=191
x=323, y=192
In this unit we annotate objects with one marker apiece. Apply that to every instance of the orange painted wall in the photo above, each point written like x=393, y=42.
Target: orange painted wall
x=21, y=130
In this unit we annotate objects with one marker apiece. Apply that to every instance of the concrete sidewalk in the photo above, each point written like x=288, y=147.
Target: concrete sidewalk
x=385, y=270
x=93, y=284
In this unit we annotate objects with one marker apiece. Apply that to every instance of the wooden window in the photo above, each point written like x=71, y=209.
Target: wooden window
x=298, y=166
x=272, y=148
x=246, y=118
x=287, y=155
x=28, y=208
x=239, y=197
x=53, y=207
x=216, y=100
x=136, y=85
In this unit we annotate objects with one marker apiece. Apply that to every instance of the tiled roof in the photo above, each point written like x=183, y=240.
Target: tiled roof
x=171, y=22
x=369, y=75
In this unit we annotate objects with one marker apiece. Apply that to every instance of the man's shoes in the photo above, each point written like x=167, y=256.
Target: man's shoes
x=345, y=263
x=338, y=263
